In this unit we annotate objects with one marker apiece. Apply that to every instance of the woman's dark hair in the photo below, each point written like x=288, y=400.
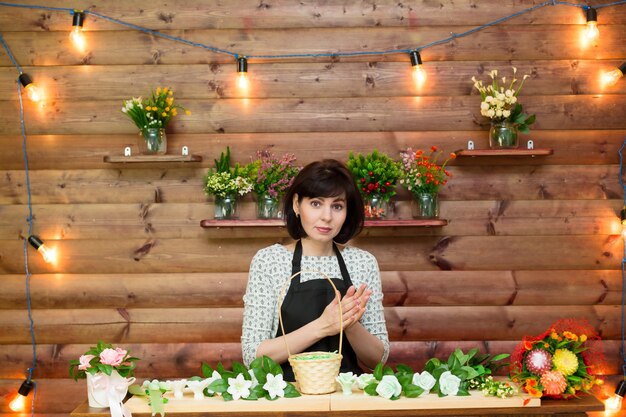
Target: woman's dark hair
x=326, y=178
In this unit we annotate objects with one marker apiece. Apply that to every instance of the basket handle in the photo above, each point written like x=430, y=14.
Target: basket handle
x=280, y=304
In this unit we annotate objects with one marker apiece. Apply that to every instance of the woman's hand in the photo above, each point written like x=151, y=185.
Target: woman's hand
x=352, y=305
x=357, y=298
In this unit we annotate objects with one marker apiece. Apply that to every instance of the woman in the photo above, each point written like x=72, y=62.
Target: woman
x=323, y=206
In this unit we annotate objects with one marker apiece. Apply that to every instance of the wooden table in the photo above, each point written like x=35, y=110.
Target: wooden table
x=563, y=408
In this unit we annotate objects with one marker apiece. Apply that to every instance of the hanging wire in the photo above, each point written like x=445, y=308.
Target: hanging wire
x=318, y=55
x=30, y=231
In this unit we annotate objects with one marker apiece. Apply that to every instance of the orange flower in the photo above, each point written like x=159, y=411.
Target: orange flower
x=553, y=383
x=452, y=155
x=528, y=345
x=570, y=336
x=583, y=337
x=534, y=392
x=531, y=382
x=433, y=148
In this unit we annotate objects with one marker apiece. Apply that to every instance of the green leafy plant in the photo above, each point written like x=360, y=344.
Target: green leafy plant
x=451, y=377
x=375, y=174
x=225, y=180
x=262, y=380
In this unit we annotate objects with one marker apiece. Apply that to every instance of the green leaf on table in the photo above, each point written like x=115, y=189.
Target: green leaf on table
x=207, y=371
x=371, y=389
x=401, y=368
x=239, y=368
x=137, y=390
x=291, y=391
x=219, y=385
x=413, y=391
x=378, y=371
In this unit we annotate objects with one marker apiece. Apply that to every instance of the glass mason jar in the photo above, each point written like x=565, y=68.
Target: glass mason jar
x=268, y=207
x=226, y=207
x=425, y=205
x=153, y=141
x=376, y=208
x=503, y=135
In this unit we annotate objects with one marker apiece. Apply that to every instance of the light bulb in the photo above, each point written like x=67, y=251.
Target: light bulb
x=76, y=35
x=592, y=32
x=49, y=254
x=242, y=81
x=614, y=403
x=419, y=75
x=32, y=90
x=77, y=38
x=612, y=77
x=19, y=402
x=242, y=73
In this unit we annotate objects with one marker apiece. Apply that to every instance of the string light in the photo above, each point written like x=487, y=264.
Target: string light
x=76, y=35
x=18, y=404
x=612, y=77
x=242, y=73
x=592, y=32
x=419, y=75
x=49, y=255
x=32, y=90
x=614, y=403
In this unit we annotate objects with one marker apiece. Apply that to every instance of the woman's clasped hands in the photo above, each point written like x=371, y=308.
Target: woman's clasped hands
x=352, y=307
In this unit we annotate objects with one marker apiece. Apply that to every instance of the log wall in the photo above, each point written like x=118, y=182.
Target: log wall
x=529, y=240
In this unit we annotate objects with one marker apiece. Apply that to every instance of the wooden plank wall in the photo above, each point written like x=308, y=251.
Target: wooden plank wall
x=530, y=240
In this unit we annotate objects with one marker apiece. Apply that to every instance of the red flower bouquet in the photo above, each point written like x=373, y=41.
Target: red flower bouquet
x=560, y=363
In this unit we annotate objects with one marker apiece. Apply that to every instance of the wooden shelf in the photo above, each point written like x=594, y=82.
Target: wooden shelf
x=212, y=223
x=152, y=158
x=505, y=152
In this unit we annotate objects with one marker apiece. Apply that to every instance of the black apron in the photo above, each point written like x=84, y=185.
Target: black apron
x=306, y=301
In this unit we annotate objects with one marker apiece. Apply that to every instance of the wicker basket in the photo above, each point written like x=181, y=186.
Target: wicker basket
x=314, y=376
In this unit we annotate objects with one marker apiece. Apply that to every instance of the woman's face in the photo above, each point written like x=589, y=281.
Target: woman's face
x=321, y=217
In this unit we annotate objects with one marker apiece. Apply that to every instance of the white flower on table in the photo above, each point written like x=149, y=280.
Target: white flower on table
x=255, y=381
x=239, y=387
x=346, y=380
x=275, y=386
x=178, y=386
x=449, y=383
x=364, y=380
x=197, y=387
x=389, y=387
x=425, y=381
x=214, y=377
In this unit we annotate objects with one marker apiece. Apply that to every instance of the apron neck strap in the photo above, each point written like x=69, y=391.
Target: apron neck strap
x=296, y=263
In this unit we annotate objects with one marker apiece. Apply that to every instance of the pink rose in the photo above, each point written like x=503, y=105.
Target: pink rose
x=84, y=362
x=121, y=354
x=111, y=357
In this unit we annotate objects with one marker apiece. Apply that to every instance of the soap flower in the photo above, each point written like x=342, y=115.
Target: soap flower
x=103, y=358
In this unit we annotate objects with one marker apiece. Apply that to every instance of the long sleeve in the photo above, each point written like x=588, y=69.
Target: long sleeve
x=259, y=308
